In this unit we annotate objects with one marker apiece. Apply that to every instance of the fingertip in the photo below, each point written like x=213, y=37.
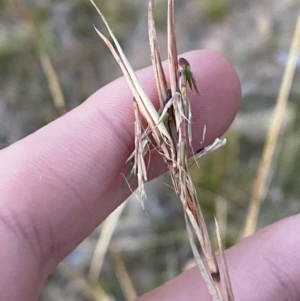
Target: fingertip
x=80, y=156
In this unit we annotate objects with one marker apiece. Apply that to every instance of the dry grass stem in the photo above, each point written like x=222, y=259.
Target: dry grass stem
x=47, y=66
x=107, y=229
x=169, y=130
x=262, y=177
x=123, y=276
x=53, y=82
x=92, y=292
x=200, y=264
x=172, y=49
x=221, y=216
x=224, y=266
x=161, y=82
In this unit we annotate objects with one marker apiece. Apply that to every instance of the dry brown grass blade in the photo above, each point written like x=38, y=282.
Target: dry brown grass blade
x=193, y=211
x=123, y=67
x=261, y=179
x=200, y=264
x=53, y=82
x=145, y=105
x=221, y=216
x=172, y=48
x=47, y=66
x=92, y=292
x=160, y=132
x=107, y=229
x=224, y=266
x=160, y=77
x=123, y=276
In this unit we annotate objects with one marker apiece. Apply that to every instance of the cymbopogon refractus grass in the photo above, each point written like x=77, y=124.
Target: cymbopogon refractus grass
x=169, y=129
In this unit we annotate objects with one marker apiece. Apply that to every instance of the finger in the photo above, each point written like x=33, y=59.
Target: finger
x=263, y=267
x=63, y=180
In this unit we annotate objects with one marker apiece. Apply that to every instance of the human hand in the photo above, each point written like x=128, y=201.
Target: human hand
x=59, y=183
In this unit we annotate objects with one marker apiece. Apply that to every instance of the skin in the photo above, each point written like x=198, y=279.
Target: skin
x=59, y=183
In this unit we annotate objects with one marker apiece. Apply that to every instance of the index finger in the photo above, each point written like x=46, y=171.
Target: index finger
x=60, y=182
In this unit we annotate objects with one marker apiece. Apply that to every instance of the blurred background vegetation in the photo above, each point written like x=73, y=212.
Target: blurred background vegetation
x=51, y=60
